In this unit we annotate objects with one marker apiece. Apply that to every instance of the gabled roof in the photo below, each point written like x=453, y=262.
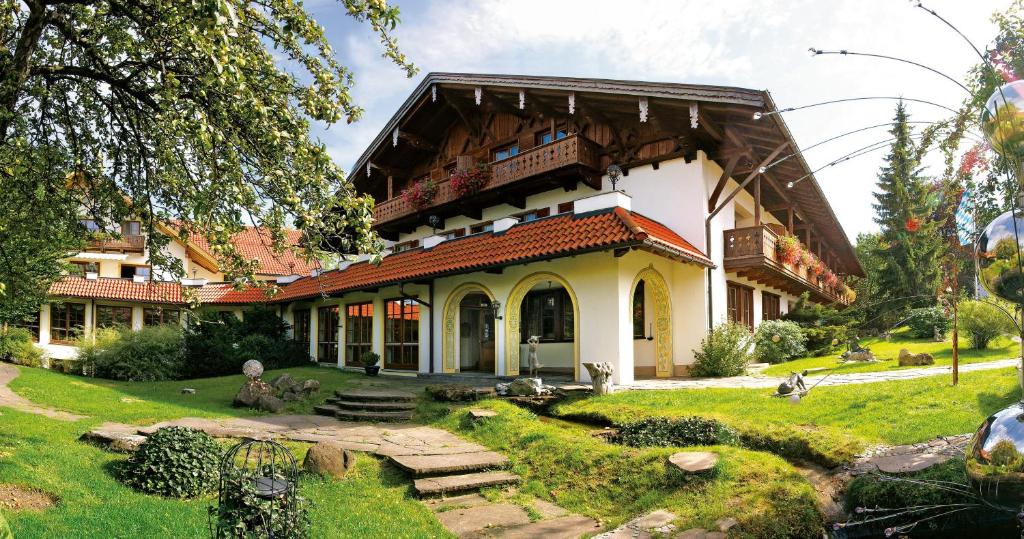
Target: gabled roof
x=551, y=237
x=254, y=244
x=171, y=293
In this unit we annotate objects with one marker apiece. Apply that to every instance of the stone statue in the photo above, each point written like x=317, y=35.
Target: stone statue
x=534, y=342
x=794, y=383
x=252, y=369
x=601, y=376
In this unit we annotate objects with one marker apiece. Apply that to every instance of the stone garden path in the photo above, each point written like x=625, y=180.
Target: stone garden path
x=838, y=379
x=10, y=399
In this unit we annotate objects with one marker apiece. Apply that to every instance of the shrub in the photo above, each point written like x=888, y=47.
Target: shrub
x=243, y=513
x=724, y=351
x=369, y=358
x=822, y=340
x=17, y=347
x=681, y=432
x=217, y=345
x=924, y=322
x=981, y=322
x=176, y=462
x=776, y=341
x=870, y=490
x=92, y=347
x=151, y=354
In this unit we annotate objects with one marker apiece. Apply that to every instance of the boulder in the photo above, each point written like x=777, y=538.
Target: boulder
x=479, y=414
x=188, y=391
x=309, y=387
x=860, y=355
x=291, y=396
x=601, y=375
x=328, y=459
x=129, y=443
x=251, y=391
x=270, y=403
x=282, y=382
x=692, y=462
x=524, y=387
x=915, y=360
x=452, y=393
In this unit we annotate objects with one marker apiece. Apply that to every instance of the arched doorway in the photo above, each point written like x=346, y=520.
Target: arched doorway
x=543, y=304
x=469, y=330
x=661, y=315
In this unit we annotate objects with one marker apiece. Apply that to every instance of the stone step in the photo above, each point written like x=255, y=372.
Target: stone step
x=567, y=527
x=372, y=406
x=446, y=484
x=358, y=415
x=367, y=395
x=426, y=465
x=326, y=409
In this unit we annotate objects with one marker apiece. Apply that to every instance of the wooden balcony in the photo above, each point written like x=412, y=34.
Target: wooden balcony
x=127, y=243
x=751, y=253
x=561, y=162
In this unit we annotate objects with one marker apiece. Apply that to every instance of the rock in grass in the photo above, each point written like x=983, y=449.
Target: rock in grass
x=310, y=387
x=251, y=391
x=914, y=360
x=693, y=462
x=282, y=382
x=270, y=403
x=328, y=459
x=188, y=391
x=452, y=392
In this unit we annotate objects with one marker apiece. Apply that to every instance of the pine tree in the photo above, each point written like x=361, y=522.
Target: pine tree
x=910, y=244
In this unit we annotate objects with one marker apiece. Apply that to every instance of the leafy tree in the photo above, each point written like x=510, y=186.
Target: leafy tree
x=192, y=111
x=909, y=246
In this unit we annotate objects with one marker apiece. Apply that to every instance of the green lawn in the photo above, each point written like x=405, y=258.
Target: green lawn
x=1000, y=348
x=835, y=422
x=373, y=501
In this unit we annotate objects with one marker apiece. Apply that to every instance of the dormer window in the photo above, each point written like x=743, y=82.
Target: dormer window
x=129, y=271
x=533, y=215
x=482, y=227
x=405, y=246
x=505, y=152
x=452, y=234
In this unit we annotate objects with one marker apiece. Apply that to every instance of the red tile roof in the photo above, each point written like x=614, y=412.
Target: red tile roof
x=157, y=292
x=551, y=237
x=254, y=244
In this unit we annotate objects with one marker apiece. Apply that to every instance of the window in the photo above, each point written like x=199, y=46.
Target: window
x=533, y=215
x=300, y=329
x=327, y=334
x=133, y=228
x=81, y=268
x=129, y=271
x=505, y=152
x=771, y=306
x=358, y=332
x=31, y=323
x=90, y=225
x=566, y=207
x=401, y=334
x=482, y=227
x=545, y=137
x=108, y=316
x=66, y=321
x=547, y=314
x=740, y=301
x=452, y=234
x=639, y=306
x=405, y=246
x=154, y=316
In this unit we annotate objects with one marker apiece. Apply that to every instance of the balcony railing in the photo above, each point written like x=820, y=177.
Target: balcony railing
x=127, y=242
x=572, y=150
x=752, y=251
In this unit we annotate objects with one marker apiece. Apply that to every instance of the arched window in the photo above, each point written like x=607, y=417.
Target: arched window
x=639, y=331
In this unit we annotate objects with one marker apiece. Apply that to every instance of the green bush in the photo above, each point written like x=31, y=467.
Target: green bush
x=823, y=340
x=776, y=341
x=981, y=322
x=151, y=354
x=177, y=462
x=217, y=345
x=16, y=346
x=924, y=322
x=870, y=490
x=724, y=351
x=242, y=513
x=678, y=432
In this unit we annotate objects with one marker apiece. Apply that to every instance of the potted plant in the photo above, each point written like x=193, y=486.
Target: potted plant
x=420, y=194
x=370, y=360
x=788, y=249
x=469, y=181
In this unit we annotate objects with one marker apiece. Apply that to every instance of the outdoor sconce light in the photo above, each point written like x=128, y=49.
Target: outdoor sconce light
x=496, y=307
x=434, y=222
x=614, y=173
x=650, y=331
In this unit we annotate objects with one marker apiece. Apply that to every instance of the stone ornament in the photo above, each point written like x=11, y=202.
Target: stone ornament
x=534, y=362
x=601, y=376
x=795, y=382
x=252, y=369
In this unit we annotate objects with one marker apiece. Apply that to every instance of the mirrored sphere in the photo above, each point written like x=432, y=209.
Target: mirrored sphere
x=1002, y=121
x=995, y=457
x=998, y=257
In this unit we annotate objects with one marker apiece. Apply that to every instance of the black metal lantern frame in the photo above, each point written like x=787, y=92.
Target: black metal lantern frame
x=258, y=493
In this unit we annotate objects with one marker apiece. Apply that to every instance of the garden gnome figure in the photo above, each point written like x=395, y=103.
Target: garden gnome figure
x=601, y=376
x=534, y=342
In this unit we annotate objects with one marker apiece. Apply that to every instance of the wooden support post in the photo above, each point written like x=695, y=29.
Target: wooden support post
x=789, y=218
x=391, y=187
x=757, y=201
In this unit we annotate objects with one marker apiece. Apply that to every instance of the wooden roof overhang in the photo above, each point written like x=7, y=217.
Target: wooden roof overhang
x=725, y=130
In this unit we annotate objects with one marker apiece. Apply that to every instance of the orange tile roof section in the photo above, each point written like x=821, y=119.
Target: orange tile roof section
x=254, y=244
x=114, y=289
x=551, y=237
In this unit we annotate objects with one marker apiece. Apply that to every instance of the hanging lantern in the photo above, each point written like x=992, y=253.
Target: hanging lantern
x=1002, y=120
x=258, y=495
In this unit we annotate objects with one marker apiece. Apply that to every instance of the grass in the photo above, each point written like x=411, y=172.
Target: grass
x=834, y=423
x=562, y=462
x=888, y=351
x=374, y=500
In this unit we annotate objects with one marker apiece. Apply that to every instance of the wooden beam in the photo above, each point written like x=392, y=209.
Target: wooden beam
x=417, y=141
x=789, y=219
x=391, y=171
x=500, y=105
x=751, y=176
x=757, y=201
x=540, y=106
x=594, y=116
x=722, y=180
x=463, y=112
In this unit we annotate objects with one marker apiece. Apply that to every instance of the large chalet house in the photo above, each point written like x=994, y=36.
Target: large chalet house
x=616, y=221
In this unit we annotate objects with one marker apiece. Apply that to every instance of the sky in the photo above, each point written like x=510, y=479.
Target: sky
x=758, y=44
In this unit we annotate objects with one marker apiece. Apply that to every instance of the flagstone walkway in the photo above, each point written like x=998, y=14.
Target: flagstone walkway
x=10, y=399
x=838, y=379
